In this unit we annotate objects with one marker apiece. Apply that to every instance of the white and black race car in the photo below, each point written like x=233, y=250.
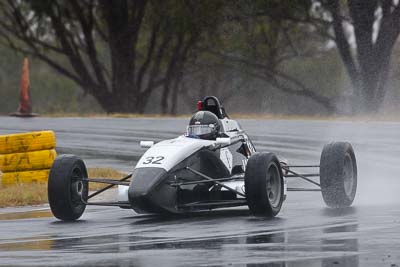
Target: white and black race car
x=214, y=165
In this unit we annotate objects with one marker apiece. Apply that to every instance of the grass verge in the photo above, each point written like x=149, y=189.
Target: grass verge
x=103, y=173
x=36, y=193
x=23, y=195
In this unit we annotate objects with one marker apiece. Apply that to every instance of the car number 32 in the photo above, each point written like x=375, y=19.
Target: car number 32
x=153, y=160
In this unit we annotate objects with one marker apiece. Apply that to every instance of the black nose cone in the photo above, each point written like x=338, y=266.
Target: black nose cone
x=142, y=193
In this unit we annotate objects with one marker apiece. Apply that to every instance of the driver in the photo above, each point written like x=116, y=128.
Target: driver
x=204, y=125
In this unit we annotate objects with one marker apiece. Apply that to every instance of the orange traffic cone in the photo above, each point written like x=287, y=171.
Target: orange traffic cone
x=25, y=103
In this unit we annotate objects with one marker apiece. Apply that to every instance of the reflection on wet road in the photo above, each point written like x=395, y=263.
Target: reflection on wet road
x=305, y=233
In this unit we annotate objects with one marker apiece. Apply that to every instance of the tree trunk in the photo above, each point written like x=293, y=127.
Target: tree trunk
x=369, y=68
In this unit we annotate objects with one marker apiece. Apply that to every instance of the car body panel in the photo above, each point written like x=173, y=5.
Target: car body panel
x=167, y=162
x=166, y=154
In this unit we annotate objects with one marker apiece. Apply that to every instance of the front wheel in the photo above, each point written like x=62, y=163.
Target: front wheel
x=264, y=185
x=338, y=174
x=67, y=191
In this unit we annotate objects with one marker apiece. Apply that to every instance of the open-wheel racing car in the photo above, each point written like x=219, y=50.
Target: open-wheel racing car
x=214, y=165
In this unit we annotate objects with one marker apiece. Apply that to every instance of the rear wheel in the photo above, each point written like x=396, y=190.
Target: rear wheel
x=264, y=185
x=67, y=191
x=338, y=174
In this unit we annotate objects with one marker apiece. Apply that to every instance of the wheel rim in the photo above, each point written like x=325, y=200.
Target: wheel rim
x=273, y=185
x=348, y=175
x=77, y=187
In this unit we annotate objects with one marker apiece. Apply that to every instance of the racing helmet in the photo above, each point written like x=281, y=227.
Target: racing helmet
x=204, y=125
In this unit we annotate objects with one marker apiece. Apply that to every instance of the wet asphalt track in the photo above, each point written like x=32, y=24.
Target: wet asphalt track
x=305, y=233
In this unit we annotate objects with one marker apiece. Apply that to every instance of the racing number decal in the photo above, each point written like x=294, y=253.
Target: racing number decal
x=158, y=160
x=153, y=160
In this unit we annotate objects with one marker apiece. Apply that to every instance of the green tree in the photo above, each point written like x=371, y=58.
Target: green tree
x=118, y=51
x=375, y=26
x=259, y=38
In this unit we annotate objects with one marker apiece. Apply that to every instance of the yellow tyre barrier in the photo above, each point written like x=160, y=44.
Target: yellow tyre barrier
x=36, y=160
x=10, y=178
x=25, y=142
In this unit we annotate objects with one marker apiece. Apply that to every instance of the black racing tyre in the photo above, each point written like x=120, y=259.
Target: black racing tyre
x=338, y=174
x=66, y=191
x=264, y=184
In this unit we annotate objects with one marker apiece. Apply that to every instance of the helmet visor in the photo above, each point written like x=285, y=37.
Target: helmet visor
x=198, y=130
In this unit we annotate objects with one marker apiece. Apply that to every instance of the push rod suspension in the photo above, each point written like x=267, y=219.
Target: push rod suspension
x=105, y=181
x=301, y=176
x=301, y=166
x=305, y=175
x=110, y=204
x=214, y=181
x=304, y=189
x=206, y=181
x=109, y=186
